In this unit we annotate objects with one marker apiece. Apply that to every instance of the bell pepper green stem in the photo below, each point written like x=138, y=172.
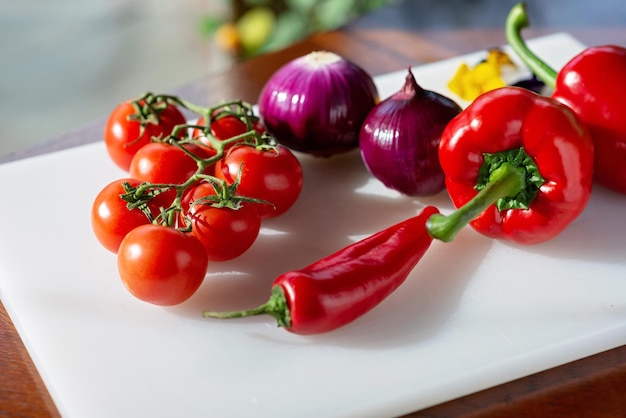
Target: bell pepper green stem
x=505, y=181
x=517, y=20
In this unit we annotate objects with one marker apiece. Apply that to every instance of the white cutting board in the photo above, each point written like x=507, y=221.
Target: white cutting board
x=474, y=313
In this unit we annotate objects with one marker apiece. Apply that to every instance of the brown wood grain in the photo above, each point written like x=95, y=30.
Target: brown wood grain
x=22, y=392
x=590, y=387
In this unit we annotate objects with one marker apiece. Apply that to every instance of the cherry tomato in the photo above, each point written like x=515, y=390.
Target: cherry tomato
x=162, y=163
x=161, y=265
x=226, y=127
x=226, y=233
x=123, y=137
x=222, y=128
x=273, y=176
x=259, y=126
x=110, y=218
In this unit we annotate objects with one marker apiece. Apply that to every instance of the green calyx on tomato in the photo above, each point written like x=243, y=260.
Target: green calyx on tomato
x=269, y=174
x=518, y=159
x=133, y=124
x=227, y=225
x=148, y=109
x=222, y=195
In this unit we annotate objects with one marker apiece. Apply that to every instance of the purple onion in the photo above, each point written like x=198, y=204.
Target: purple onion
x=317, y=103
x=400, y=138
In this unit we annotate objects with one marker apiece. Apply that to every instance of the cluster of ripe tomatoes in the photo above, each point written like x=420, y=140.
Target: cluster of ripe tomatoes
x=195, y=192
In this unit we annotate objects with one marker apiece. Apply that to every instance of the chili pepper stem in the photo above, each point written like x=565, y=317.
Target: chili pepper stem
x=517, y=20
x=276, y=307
x=507, y=180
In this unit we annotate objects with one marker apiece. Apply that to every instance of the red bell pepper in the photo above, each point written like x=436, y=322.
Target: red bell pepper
x=591, y=84
x=337, y=289
x=518, y=165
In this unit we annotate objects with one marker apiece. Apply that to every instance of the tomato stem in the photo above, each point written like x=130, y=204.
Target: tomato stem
x=147, y=108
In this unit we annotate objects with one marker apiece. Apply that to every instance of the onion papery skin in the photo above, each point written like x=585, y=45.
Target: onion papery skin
x=400, y=137
x=317, y=103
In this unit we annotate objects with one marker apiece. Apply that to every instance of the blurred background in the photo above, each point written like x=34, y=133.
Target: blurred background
x=67, y=62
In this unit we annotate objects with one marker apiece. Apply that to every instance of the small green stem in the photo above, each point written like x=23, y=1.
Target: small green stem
x=147, y=107
x=276, y=307
x=507, y=180
x=207, y=112
x=517, y=20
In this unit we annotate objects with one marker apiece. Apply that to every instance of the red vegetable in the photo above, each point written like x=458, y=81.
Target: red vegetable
x=338, y=289
x=225, y=229
x=163, y=163
x=271, y=174
x=111, y=219
x=528, y=154
x=591, y=84
x=225, y=127
x=132, y=124
x=161, y=265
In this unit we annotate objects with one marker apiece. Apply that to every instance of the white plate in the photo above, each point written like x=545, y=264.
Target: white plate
x=474, y=313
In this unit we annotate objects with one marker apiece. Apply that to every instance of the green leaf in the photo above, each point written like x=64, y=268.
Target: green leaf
x=253, y=3
x=207, y=25
x=331, y=14
x=303, y=7
x=290, y=27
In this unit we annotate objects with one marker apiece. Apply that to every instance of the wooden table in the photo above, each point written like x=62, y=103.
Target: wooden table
x=380, y=43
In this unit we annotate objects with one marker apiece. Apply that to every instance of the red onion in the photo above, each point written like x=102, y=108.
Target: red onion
x=317, y=103
x=400, y=137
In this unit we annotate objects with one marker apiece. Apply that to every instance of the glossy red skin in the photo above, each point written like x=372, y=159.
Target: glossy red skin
x=162, y=163
x=161, y=265
x=123, y=137
x=271, y=176
x=340, y=288
x=222, y=128
x=551, y=134
x=227, y=127
x=225, y=233
x=592, y=84
x=110, y=218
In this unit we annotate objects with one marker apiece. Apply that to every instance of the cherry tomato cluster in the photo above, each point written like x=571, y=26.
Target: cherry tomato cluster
x=195, y=193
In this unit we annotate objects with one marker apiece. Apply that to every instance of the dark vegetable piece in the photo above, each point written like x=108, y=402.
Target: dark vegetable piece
x=399, y=139
x=533, y=84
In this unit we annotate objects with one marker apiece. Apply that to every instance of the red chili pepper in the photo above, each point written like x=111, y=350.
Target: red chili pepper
x=519, y=166
x=591, y=84
x=338, y=289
